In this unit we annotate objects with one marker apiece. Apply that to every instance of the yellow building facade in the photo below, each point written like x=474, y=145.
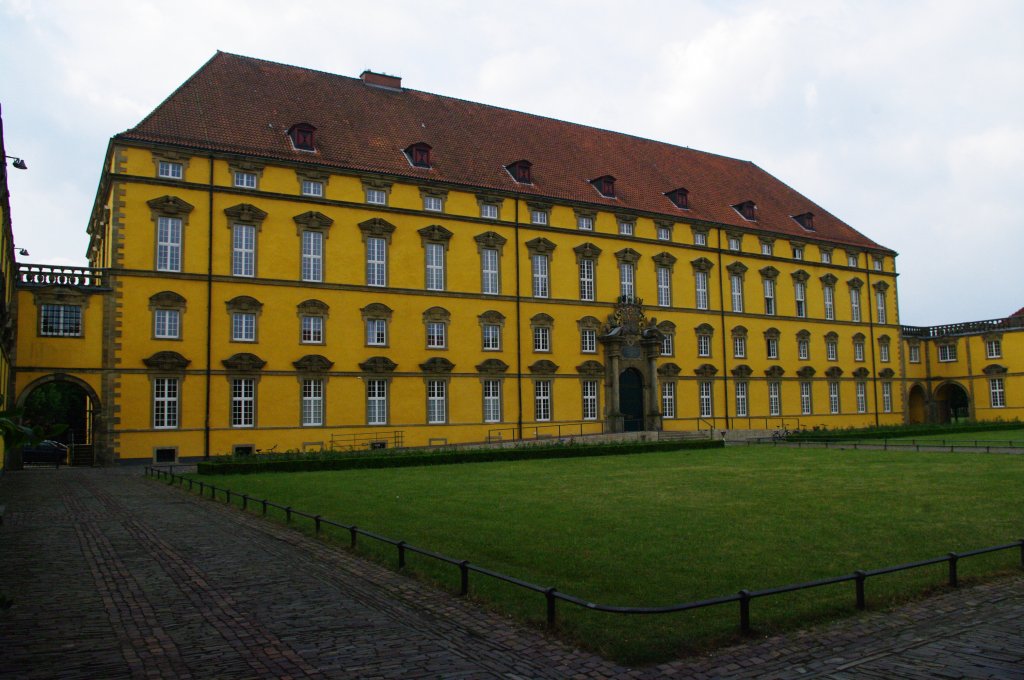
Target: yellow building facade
x=393, y=267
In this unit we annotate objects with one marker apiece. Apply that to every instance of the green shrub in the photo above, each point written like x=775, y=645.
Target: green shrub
x=891, y=431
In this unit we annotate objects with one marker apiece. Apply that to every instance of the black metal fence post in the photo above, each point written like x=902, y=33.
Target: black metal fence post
x=264, y=507
x=245, y=501
x=745, y=611
x=316, y=520
x=353, y=533
x=401, y=554
x=288, y=515
x=464, y=578
x=953, y=580
x=550, y=595
x=861, y=577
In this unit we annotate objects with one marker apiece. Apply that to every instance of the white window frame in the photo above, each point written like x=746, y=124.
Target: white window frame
x=862, y=397
x=538, y=217
x=437, y=335
x=832, y=350
x=858, y=350
x=170, y=170
x=243, y=402
x=993, y=349
x=312, y=402
x=806, y=401
x=700, y=238
x=703, y=345
x=769, y=297
x=706, y=399
x=668, y=400
x=772, y=348
x=437, y=402
x=491, y=337
x=668, y=345
x=700, y=288
x=243, y=326
x=947, y=353
x=736, y=292
x=434, y=261
x=878, y=264
x=834, y=406
x=803, y=349
x=312, y=187
x=774, y=398
x=880, y=303
x=376, y=261
x=245, y=180
x=489, y=211
x=540, y=265
x=739, y=347
x=767, y=249
x=490, y=278
x=664, y=234
x=376, y=401
x=855, y=304
x=588, y=341
x=828, y=293
x=586, y=272
x=492, y=401
x=312, y=332
x=168, y=244
x=166, y=324
x=243, y=250
x=60, y=321
x=826, y=257
x=852, y=260
x=541, y=339
x=798, y=253
x=312, y=268
x=589, y=394
x=742, y=404
x=887, y=397
x=735, y=243
x=377, y=332
x=166, y=403
x=627, y=280
x=996, y=393
x=584, y=223
x=664, y=279
x=433, y=204
x=883, y=352
x=914, y=354
x=800, y=298
x=542, y=401
x=626, y=228
x=376, y=196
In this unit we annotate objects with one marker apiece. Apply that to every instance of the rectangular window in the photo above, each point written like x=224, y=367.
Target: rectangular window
x=668, y=343
x=626, y=228
x=627, y=283
x=376, y=402
x=769, y=297
x=739, y=347
x=664, y=276
x=312, y=256
x=858, y=351
x=664, y=234
x=736, y=287
x=436, y=335
x=741, y=399
x=165, y=403
x=492, y=401
x=437, y=402
x=851, y=260
x=376, y=196
x=542, y=400
x=589, y=400
x=947, y=352
x=433, y=203
x=584, y=223
x=170, y=170
x=700, y=238
x=734, y=243
x=312, y=330
x=243, y=250
x=701, y=289
x=166, y=324
x=832, y=350
x=588, y=341
x=803, y=349
x=772, y=348
x=833, y=397
x=435, y=266
x=586, y=267
x=878, y=264
x=883, y=352
x=880, y=302
x=668, y=400
x=312, y=188
x=805, y=398
x=915, y=354
x=862, y=397
x=993, y=349
x=245, y=180
x=767, y=248
x=538, y=217
x=826, y=257
x=703, y=345
x=312, y=402
x=243, y=327
x=243, y=402
x=377, y=332
x=887, y=397
x=855, y=304
x=798, y=253
x=489, y=211
x=490, y=283
x=541, y=288
x=492, y=337
x=774, y=398
x=830, y=306
x=541, y=339
x=706, y=403
x=168, y=244
x=800, y=295
x=376, y=261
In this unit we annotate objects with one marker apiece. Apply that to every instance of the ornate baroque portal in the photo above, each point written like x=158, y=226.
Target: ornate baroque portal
x=632, y=345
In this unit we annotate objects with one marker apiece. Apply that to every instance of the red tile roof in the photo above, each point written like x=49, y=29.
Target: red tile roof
x=242, y=105
x=1019, y=312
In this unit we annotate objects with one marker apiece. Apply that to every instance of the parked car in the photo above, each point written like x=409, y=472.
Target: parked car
x=46, y=452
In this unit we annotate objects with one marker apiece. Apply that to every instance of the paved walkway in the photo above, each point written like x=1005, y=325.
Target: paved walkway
x=114, y=576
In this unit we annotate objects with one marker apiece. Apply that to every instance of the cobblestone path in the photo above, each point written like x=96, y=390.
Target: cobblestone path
x=114, y=576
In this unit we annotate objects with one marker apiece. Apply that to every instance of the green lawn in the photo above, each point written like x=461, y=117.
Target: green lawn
x=1016, y=436
x=664, y=528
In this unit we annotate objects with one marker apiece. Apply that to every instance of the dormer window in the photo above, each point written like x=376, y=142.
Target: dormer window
x=419, y=154
x=747, y=210
x=805, y=220
x=520, y=171
x=302, y=136
x=680, y=198
x=605, y=186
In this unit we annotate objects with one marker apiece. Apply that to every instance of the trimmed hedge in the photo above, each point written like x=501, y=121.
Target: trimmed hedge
x=903, y=431
x=342, y=461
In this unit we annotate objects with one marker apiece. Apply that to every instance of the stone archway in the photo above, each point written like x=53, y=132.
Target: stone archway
x=917, y=406
x=951, y=403
x=64, y=401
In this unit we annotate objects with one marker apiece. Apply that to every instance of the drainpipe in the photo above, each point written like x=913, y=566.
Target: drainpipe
x=725, y=345
x=209, y=310
x=519, y=330
x=871, y=331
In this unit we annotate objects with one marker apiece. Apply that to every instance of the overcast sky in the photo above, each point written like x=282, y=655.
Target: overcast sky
x=904, y=119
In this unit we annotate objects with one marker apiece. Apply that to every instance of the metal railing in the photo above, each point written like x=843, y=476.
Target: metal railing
x=551, y=431
x=952, y=446
x=30, y=275
x=353, y=441
x=551, y=594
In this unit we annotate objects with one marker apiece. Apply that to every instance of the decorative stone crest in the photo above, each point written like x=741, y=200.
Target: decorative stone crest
x=669, y=370
x=378, y=365
x=166, y=361
x=313, y=219
x=245, y=212
x=244, y=362
x=492, y=366
x=806, y=372
x=539, y=246
x=861, y=373
x=490, y=239
x=742, y=371
x=543, y=366
x=706, y=370
x=833, y=372
x=435, y=233
x=437, y=365
x=775, y=371
x=170, y=205
x=591, y=368
x=313, y=363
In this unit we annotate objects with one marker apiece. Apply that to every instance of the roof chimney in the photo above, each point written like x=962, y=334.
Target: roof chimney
x=382, y=80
